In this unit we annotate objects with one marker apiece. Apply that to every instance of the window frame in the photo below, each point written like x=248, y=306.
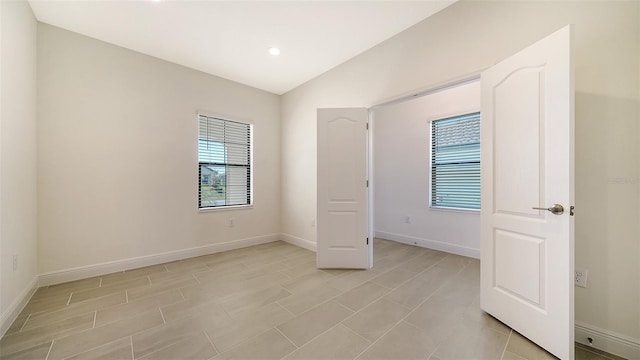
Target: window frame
x=225, y=118
x=431, y=121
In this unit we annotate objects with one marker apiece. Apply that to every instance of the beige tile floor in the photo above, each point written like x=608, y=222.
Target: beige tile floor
x=270, y=302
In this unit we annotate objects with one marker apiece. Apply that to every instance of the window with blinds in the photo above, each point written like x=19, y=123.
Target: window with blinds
x=455, y=162
x=224, y=163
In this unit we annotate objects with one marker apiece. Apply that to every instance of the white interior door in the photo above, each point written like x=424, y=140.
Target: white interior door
x=342, y=189
x=527, y=161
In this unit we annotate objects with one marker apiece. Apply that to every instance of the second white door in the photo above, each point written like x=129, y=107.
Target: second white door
x=342, y=226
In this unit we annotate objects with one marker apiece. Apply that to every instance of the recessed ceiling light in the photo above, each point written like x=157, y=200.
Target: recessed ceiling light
x=274, y=51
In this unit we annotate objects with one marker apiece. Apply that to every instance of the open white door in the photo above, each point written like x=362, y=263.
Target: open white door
x=342, y=189
x=527, y=162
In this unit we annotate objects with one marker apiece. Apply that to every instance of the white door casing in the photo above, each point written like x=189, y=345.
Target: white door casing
x=527, y=146
x=342, y=224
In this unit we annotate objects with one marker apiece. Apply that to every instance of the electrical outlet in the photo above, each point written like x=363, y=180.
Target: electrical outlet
x=407, y=219
x=581, y=277
x=15, y=262
x=232, y=222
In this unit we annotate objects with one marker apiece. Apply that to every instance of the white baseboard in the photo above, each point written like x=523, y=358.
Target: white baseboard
x=609, y=341
x=83, y=272
x=430, y=244
x=305, y=244
x=9, y=316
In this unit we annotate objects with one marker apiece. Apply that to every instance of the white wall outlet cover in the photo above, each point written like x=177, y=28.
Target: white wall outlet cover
x=581, y=277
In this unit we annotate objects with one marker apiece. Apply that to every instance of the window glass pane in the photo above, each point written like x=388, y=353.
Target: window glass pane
x=455, y=162
x=212, y=185
x=224, y=157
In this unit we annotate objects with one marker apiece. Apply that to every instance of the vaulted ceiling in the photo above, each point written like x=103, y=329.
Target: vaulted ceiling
x=231, y=39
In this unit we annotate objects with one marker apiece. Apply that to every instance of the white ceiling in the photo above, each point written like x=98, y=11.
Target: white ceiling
x=231, y=39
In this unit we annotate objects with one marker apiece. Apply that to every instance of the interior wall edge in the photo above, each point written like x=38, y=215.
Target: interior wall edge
x=606, y=340
x=83, y=272
x=430, y=244
x=300, y=242
x=12, y=312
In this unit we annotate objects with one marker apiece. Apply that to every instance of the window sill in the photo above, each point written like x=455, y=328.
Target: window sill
x=224, y=208
x=455, y=210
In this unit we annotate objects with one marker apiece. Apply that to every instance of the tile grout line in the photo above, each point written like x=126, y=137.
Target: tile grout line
x=291, y=341
x=133, y=356
x=69, y=300
x=95, y=315
x=49, y=352
x=164, y=322
x=181, y=294
x=506, y=344
x=409, y=313
x=285, y=309
x=25, y=323
x=211, y=341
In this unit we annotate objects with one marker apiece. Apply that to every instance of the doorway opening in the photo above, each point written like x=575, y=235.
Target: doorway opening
x=416, y=199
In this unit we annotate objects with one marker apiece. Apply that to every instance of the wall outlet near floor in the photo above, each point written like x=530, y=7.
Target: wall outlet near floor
x=232, y=222
x=581, y=277
x=15, y=262
x=407, y=219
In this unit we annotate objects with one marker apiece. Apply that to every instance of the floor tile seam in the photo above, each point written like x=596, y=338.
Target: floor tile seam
x=289, y=340
x=211, y=342
x=53, y=311
x=24, y=324
x=55, y=336
x=181, y=294
x=355, y=312
x=133, y=356
x=49, y=351
x=101, y=326
x=373, y=343
x=245, y=341
x=95, y=315
x=420, y=304
x=504, y=351
x=399, y=304
x=431, y=266
x=91, y=349
x=164, y=345
x=334, y=298
x=396, y=323
x=315, y=337
x=355, y=332
x=164, y=322
x=402, y=283
x=285, y=309
x=107, y=294
x=435, y=346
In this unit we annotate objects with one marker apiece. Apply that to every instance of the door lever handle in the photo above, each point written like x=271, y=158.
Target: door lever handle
x=556, y=209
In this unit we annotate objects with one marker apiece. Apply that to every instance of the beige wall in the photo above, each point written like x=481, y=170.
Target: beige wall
x=17, y=156
x=402, y=134
x=472, y=35
x=117, y=154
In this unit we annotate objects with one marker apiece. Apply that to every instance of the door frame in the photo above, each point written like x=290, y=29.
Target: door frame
x=437, y=87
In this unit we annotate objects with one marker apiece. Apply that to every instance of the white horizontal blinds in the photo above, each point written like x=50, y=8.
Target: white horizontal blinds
x=224, y=157
x=455, y=162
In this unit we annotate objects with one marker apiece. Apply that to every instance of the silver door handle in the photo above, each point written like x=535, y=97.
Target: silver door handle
x=556, y=209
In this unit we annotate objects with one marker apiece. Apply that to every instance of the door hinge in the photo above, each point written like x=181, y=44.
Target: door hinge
x=367, y=241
